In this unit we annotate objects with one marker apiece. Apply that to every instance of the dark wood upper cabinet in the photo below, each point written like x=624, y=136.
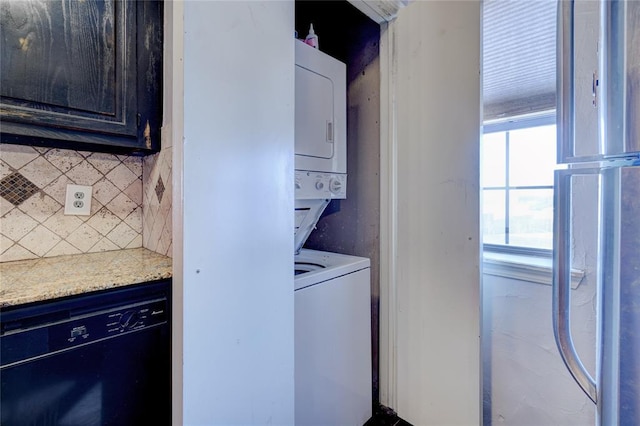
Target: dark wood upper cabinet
x=81, y=74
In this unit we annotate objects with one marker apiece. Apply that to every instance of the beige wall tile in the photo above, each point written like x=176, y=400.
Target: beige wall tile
x=64, y=160
x=63, y=248
x=84, y=238
x=5, y=243
x=103, y=221
x=134, y=164
x=103, y=162
x=5, y=207
x=40, y=207
x=84, y=174
x=16, y=252
x=136, y=242
x=122, y=206
x=103, y=245
x=40, y=240
x=134, y=191
x=16, y=224
x=40, y=171
x=125, y=211
x=5, y=170
x=58, y=189
x=17, y=155
x=63, y=225
x=134, y=220
x=121, y=176
x=122, y=235
x=104, y=191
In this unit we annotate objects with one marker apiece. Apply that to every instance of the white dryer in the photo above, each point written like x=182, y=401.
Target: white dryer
x=320, y=136
x=332, y=339
x=321, y=111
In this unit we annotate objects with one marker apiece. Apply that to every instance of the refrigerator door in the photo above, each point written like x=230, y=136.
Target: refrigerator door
x=619, y=372
x=612, y=88
x=616, y=389
x=620, y=78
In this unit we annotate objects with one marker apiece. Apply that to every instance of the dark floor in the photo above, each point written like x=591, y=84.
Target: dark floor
x=385, y=416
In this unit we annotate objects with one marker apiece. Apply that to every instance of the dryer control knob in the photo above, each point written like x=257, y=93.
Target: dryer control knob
x=335, y=186
x=319, y=185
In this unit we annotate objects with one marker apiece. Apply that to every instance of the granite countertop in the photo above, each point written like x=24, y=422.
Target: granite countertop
x=26, y=281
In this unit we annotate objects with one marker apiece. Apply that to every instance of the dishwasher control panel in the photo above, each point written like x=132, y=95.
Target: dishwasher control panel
x=108, y=323
x=42, y=329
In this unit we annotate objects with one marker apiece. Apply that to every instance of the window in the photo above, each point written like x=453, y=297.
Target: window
x=518, y=160
x=519, y=142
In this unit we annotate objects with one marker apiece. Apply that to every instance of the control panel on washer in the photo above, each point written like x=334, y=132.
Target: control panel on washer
x=317, y=185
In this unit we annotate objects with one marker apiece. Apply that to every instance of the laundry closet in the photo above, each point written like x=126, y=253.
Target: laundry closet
x=233, y=145
x=351, y=225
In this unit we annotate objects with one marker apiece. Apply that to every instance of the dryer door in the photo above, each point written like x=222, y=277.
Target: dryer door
x=314, y=129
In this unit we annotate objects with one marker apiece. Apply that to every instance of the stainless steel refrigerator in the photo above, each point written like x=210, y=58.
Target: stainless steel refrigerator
x=612, y=168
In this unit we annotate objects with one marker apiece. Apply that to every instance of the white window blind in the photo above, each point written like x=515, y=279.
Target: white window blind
x=519, y=64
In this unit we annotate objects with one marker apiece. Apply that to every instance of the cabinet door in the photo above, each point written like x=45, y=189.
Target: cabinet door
x=70, y=72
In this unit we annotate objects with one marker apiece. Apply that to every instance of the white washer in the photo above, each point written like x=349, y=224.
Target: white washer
x=332, y=339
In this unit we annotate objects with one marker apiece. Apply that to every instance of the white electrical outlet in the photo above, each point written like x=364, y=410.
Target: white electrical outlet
x=78, y=200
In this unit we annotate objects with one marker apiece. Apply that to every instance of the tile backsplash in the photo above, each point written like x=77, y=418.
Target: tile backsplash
x=156, y=201
x=33, y=184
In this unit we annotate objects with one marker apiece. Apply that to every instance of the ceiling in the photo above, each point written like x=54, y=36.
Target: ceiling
x=519, y=52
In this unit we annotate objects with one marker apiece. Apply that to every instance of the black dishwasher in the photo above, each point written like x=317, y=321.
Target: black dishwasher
x=103, y=358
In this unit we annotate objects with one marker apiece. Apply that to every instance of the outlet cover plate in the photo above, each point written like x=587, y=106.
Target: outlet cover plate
x=78, y=200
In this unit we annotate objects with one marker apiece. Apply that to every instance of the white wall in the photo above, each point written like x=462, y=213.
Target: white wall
x=437, y=283
x=526, y=382
x=524, y=379
x=237, y=220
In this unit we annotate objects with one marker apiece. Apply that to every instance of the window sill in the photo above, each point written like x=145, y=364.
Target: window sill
x=531, y=269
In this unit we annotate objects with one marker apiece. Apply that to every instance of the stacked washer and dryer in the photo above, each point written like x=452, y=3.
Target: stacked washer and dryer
x=332, y=291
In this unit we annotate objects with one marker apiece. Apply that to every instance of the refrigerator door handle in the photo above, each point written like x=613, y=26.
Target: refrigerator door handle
x=562, y=284
x=564, y=84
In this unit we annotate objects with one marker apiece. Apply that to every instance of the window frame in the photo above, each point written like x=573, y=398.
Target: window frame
x=543, y=118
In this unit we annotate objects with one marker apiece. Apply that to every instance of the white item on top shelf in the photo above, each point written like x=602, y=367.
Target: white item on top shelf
x=312, y=38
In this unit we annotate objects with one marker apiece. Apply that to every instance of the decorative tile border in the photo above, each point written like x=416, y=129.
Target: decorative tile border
x=156, y=202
